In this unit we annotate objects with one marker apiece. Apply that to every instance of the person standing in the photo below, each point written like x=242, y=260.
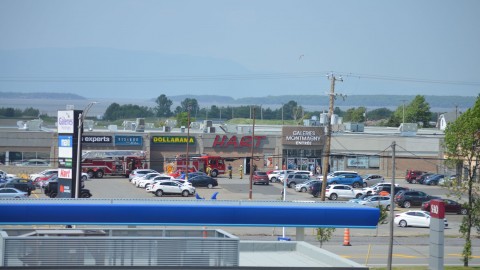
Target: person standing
x=240, y=170
x=209, y=170
x=229, y=170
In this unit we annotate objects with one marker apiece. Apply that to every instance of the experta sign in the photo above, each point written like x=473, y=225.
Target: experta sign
x=302, y=136
x=97, y=139
x=173, y=140
x=245, y=141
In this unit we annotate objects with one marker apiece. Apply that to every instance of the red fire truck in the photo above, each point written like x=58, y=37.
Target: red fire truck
x=197, y=163
x=99, y=163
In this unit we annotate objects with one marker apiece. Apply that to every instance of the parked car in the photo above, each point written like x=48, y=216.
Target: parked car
x=373, y=189
x=203, y=181
x=283, y=174
x=12, y=193
x=35, y=162
x=172, y=188
x=43, y=173
x=139, y=172
x=385, y=190
x=433, y=179
x=259, y=177
x=450, y=207
x=421, y=178
x=294, y=179
x=315, y=189
x=411, y=175
x=335, y=174
x=414, y=219
x=309, y=173
x=51, y=190
x=361, y=198
x=353, y=180
x=25, y=185
x=144, y=181
x=409, y=198
x=5, y=175
x=376, y=201
x=303, y=187
x=333, y=192
x=372, y=179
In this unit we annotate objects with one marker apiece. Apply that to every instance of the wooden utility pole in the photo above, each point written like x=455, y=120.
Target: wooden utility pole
x=392, y=213
x=326, y=156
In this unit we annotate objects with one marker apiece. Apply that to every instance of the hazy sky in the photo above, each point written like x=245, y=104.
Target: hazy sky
x=425, y=47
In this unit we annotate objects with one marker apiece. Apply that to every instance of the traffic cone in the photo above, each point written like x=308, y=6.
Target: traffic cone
x=346, y=237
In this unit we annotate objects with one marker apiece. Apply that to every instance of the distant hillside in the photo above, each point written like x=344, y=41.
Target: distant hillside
x=25, y=95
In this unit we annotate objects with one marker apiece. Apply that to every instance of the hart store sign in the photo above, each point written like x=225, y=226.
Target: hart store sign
x=245, y=141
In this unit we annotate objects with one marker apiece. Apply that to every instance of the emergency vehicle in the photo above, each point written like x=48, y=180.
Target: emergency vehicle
x=99, y=163
x=197, y=163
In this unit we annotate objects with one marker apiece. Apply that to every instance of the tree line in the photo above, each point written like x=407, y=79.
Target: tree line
x=417, y=111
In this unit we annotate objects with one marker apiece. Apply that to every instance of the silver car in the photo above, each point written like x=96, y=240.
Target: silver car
x=372, y=179
x=12, y=193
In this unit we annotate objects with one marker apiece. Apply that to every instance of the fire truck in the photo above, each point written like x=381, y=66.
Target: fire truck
x=99, y=163
x=197, y=163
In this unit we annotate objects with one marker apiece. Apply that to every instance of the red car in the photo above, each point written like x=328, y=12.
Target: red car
x=450, y=207
x=259, y=177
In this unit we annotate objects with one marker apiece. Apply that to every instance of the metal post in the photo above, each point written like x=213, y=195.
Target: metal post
x=392, y=214
x=187, y=160
x=250, y=194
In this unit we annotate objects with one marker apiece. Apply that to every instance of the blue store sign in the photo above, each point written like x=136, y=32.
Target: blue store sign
x=129, y=140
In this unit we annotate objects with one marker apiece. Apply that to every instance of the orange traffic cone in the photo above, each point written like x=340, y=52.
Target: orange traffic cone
x=346, y=237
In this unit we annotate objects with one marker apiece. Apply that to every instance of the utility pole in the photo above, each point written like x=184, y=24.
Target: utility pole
x=392, y=213
x=326, y=159
x=403, y=100
x=250, y=193
x=187, y=160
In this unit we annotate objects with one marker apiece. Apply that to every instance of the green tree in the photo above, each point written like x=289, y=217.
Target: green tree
x=31, y=112
x=182, y=119
x=191, y=103
x=356, y=115
x=462, y=146
x=379, y=114
x=164, y=105
x=324, y=234
x=417, y=111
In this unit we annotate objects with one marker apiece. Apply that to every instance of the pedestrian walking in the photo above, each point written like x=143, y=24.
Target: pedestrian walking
x=230, y=168
x=240, y=170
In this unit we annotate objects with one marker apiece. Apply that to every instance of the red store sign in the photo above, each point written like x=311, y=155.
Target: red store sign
x=245, y=141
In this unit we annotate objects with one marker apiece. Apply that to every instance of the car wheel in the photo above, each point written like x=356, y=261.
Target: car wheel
x=388, y=207
x=303, y=189
x=273, y=179
x=407, y=204
x=99, y=174
x=291, y=185
x=402, y=223
x=214, y=173
x=414, y=181
x=333, y=197
x=364, y=184
x=91, y=174
x=463, y=211
x=159, y=193
x=358, y=195
x=356, y=185
x=267, y=183
x=84, y=178
x=209, y=186
x=53, y=195
x=185, y=193
x=85, y=195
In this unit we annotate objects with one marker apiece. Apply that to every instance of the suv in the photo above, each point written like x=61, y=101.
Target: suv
x=260, y=177
x=347, y=179
x=336, y=173
x=295, y=178
x=315, y=189
x=411, y=176
x=51, y=190
x=333, y=192
x=172, y=187
x=408, y=198
x=373, y=189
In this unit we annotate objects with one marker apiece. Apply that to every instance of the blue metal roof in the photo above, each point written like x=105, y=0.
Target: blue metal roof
x=187, y=213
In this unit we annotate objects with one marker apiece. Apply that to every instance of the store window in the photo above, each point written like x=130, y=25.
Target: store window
x=363, y=162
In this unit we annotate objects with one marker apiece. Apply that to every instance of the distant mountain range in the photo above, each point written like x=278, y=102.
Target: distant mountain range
x=440, y=103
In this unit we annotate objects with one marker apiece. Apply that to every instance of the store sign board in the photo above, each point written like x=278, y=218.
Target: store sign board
x=128, y=140
x=65, y=122
x=173, y=139
x=302, y=136
x=245, y=141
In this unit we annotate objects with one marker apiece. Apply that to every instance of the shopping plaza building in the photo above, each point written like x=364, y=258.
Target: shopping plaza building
x=364, y=149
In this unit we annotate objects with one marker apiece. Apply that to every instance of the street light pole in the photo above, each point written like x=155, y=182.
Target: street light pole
x=81, y=118
x=250, y=194
x=187, y=161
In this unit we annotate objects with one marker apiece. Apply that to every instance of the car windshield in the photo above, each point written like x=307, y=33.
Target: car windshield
x=261, y=173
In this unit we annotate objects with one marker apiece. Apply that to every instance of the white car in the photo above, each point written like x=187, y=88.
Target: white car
x=172, y=188
x=303, y=187
x=142, y=183
x=283, y=174
x=377, y=200
x=5, y=175
x=333, y=192
x=415, y=219
x=139, y=172
x=373, y=189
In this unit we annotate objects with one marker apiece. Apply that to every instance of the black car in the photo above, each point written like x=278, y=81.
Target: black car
x=51, y=190
x=408, y=198
x=315, y=189
x=388, y=188
x=203, y=181
x=25, y=185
